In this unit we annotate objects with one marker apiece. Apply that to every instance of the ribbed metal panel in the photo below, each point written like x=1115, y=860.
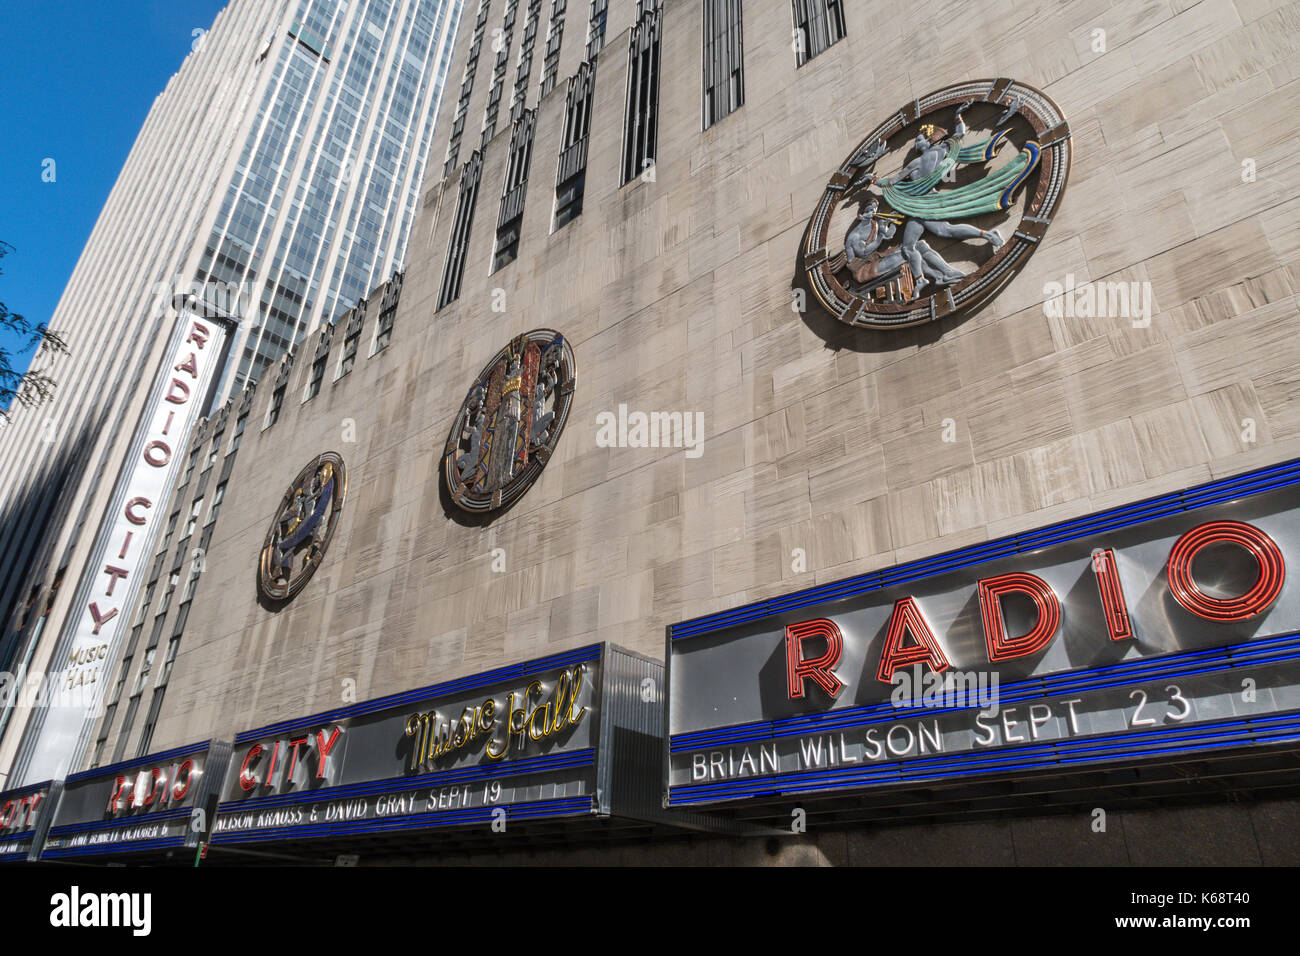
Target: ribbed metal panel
x=630, y=767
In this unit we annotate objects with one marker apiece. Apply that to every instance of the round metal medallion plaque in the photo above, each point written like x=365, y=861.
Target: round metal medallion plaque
x=509, y=423
x=302, y=528
x=939, y=205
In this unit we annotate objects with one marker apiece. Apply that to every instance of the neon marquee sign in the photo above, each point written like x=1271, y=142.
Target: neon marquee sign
x=910, y=640
x=1163, y=627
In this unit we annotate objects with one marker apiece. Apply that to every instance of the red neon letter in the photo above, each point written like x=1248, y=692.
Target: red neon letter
x=323, y=748
x=270, y=771
x=293, y=757
x=1267, y=555
x=1112, y=595
x=908, y=619
x=247, y=780
x=31, y=802
x=818, y=668
x=7, y=814
x=178, y=789
x=134, y=503
x=1000, y=646
x=114, y=801
x=153, y=786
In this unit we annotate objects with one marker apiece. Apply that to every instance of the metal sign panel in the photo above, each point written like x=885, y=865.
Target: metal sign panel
x=1161, y=628
x=24, y=814
x=145, y=804
x=56, y=737
x=520, y=742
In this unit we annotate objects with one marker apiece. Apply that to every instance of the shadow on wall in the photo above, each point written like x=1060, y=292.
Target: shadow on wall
x=837, y=335
x=25, y=522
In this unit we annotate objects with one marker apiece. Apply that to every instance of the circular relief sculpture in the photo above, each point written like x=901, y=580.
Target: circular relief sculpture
x=939, y=205
x=302, y=528
x=510, y=421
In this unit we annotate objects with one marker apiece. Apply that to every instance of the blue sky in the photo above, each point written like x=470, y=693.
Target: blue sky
x=78, y=80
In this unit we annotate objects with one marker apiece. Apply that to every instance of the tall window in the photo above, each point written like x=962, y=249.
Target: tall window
x=596, y=28
x=388, y=312
x=132, y=706
x=122, y=673
x=724, y=74
x=640, y=132
x=215, y=450
x=356, y=319
x=510, y=220
x=194, y=516
x=273, y=413
x=240, y=422
x=172, y=647
x=144, y=606
x=499, y=73
x=217, y=497
x=318, y=363
x=317, y=376
x=146, y=735
x=457, y=247
x=172, y=582
x=818, y=24
x=171, y=529
x=466, y=87
x=526, y=44
x=142, y=679
x=571, y=179
x=554, y=36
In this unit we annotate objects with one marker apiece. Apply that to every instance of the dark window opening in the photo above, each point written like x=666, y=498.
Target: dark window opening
x=641, y=127
x=453, y=270
x=571, y=177
x=510, y=219
x=724, y=74
x=596, y=28
x=818, y=24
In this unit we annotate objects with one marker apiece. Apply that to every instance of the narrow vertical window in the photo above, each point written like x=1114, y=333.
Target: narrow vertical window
x=571, y=175
x=454, y=269
x=554, y=36
x=466, y=88
x=240, y=424
x=356, y=318
x=724, y=74
x=387, y=312
x=526, y=44
x=499, y=73
x=641, y=129
x=273, y=413
x=818, y=25
x=596, y=27
x=277, y=396
x=510, y=219
x=318, y=363
x=218, y=497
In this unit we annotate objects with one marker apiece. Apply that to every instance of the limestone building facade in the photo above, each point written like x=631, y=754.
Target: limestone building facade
x=827, y=451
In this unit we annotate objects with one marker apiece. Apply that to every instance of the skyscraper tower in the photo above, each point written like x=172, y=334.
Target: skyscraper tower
x=274, y=182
